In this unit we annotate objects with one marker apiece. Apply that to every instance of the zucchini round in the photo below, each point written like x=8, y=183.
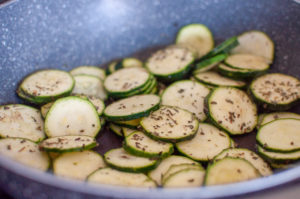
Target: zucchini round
x=278, y=157
x=77, y=165
x=232, y=110
x=263, y=168
x=68, y=143
x=209, y=63
x=139, y=144
x=188, y=95
x=25, y=152
x=280, y=135
x=278, y=115
x=116, y=129
x=247, y=61
x=121, y=160
x=21, y=121
x=235, y=73
x=275, y=91
x=208, y=142
x=72, y=116
x=120, y=178
x=47, y=85
x=170, y=124
x=132, y=107
x=89, y=70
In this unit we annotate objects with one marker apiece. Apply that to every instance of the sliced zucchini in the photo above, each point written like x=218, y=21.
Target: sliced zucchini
x=116, y=129
x=256, y=43
x=165, y=164
x=127, y=131
x=102, y=121
x=89, y=70
x=235, y=73
x=208, y=142
x=278, y=157
x=196, y=37
x=263, y=168
x=230, y=170
x=214, y=79
x=276, y=91
x=153, y=85
x=224, y=47
x=247, y=61
x=121, y=160
x=45, y=108
x=280, y=135
x=161, y=88
x=77, y=165
x=139, y=144
x=170, y=64
x=191, y=177
x=130, y=123
x=170, y=124
x=130, y=62
x=278, y=115
x=260, y=119
x=120, y=178
x=47, y=85
x=89, y=85
x=209, y=63
x=188, y=95
x=232, y=110
x=112, y=67
x=98, y=103
x=72, y=116
x=233, y=144
x=21, y=121
x=132, y=107
x=25, y=152
x=178, y=167
x=68, y=143
x=126, y=80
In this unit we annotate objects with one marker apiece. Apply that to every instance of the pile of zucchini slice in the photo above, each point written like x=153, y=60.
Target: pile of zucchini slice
x=177, y=114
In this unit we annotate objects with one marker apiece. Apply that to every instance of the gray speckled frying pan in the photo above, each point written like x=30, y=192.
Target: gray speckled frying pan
x=67, y=33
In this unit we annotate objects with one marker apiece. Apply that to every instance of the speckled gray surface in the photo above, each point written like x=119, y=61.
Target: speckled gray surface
x=66, y=33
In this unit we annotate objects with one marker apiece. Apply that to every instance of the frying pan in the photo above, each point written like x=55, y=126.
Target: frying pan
x=67, y=33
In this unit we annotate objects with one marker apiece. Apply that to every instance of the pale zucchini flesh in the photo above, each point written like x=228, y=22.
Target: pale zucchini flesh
x=214, y=79
x=126, y=80
x=132, y=107
x=77, y=165
x=230, y=170
x=89, y=70
x=280, y=135
x=170, y=124
x=120, y=178
x=247, y=61
x=260, y=120
x=196, y=37
x=256, y=43
x=127, y=131
x=276, y=91
x=165, y=164
x=188, y=95
x=45, y=108
x=17, y=120
x=185, y=178
x=236, y=73
x=208, y=142
x=263, y=167
x=68, y=143
x=46, y=85
x=131, y=62
x=90, y=86
x=116, y=129
x=171, y=63
x=26, y=152
x=98, y=103
x=139, y=144
x=130, y=123
x=278, y=115
x=232, y=110
x=121, y=160
x=72, y=116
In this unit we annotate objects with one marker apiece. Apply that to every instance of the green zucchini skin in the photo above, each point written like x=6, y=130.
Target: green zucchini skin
x=240, y=74
x=205, y=64
x=276, y=160
x=224, y=47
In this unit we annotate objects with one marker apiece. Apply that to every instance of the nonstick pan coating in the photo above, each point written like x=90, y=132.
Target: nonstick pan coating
x=68, y=33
